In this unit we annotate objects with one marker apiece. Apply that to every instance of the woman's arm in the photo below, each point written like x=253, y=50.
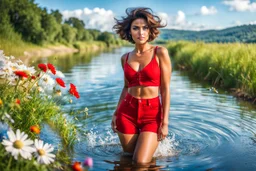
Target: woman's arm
x=166, y=69
x=125, y=88
x=124, y=91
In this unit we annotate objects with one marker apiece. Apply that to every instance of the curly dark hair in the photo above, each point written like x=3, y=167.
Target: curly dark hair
x=122, y=26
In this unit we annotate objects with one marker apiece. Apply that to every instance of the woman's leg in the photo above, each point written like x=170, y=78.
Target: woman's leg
x=128, y=141
x=145, y=147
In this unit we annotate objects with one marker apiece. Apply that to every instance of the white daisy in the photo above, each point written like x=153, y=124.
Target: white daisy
x=43, y=152
x=47, y=83
x=18, y=144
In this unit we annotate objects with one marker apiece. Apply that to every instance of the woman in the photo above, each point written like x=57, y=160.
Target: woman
x=141, y=117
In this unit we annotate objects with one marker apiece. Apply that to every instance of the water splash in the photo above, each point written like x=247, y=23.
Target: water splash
x=167, y=147
x=109, y=143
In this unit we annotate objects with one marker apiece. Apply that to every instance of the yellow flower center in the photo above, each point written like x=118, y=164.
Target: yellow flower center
x=41, y=152
x=14, y=68
x=18, y=144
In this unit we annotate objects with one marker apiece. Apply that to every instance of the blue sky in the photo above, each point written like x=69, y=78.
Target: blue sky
x=178, y=14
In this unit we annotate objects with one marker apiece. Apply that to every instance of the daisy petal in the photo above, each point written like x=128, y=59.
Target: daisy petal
x=28, y=142
x=29, y=149
x=46, y=160
x=7, y=143
x=9, y=149
x=50, y=155
x=18, y=134
x=41, y=143
x=23, y=137
x=11, y=135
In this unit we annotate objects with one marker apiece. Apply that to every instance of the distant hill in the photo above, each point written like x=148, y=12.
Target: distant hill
x=244, y=33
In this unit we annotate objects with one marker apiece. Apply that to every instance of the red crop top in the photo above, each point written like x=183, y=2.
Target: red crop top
x=150, y=75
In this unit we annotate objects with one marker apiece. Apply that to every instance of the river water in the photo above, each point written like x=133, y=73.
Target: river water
x=207, y=130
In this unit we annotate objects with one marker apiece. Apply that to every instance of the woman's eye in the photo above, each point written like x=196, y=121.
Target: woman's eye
x=135, y=28
x=145, y=28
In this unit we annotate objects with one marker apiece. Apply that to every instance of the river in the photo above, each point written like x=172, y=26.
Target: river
x=207, y=130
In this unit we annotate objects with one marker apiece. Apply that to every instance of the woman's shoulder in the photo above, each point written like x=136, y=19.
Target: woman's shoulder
x=162, y=52
x=123, y=57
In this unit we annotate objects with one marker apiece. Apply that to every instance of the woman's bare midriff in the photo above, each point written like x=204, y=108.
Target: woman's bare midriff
x=144, y=92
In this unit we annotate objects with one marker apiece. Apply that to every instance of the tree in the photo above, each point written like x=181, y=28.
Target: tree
x=57, y=15
x=69, y=33
x=51, y=27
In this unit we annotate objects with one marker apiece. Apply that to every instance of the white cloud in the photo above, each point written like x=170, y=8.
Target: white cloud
x=97, y=18
x=252, y=22
x=180, y=18
x=240, y=5
x=180, y=22
x=239, y=23
x=208, y=11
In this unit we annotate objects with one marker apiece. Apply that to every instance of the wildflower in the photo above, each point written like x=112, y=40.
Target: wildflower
x=17, y=101
x=60, y=82
x=88, y=162
x=43, y=67
x=35, y=129
x=18, y=144
x=43, y=152
x=52, y=68
x=21, y=74
x=1, y=102
x=46, y=83
x=77, y=166
x=73, y=90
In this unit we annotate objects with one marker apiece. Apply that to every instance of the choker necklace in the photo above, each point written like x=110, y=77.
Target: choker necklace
x=144, y=51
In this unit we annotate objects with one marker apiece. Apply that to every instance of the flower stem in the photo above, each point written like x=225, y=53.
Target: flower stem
x=9, y=163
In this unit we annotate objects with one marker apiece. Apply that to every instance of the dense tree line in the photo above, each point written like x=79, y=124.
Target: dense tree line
x=244, y=34
x=37, y=25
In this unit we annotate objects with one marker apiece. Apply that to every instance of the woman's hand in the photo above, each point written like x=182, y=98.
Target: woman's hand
x=113, y=124
x=162, y=132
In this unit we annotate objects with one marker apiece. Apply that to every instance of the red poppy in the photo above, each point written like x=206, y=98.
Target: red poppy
x=43, y=67
x=73, y=90
x=60, y=82
x=52, y=68
x=77, y=166
x=17, y=101
x=35, y=129
x=21, y=74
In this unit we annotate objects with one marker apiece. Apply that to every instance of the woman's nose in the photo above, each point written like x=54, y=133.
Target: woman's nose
x=141, y=31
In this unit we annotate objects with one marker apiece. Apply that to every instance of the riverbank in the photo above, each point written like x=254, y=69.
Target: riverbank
x=26, y=51
x=229, y=66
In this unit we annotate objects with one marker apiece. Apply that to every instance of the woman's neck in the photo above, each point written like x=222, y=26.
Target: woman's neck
x=139, y=49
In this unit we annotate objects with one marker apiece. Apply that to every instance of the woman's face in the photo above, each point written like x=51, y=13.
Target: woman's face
x=139, y=31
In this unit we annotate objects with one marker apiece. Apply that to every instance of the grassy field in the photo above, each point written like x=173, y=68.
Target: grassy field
x=231, y=66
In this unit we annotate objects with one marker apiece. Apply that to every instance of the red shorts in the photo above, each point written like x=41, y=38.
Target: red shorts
x=138, y=115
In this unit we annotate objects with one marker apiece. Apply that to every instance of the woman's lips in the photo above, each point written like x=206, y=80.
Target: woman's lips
x=141, y=38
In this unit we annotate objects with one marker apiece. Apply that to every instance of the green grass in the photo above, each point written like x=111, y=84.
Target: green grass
x=230, y=65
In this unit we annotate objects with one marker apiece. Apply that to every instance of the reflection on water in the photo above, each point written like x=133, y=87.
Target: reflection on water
x=125, y=163
x=207, y=131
